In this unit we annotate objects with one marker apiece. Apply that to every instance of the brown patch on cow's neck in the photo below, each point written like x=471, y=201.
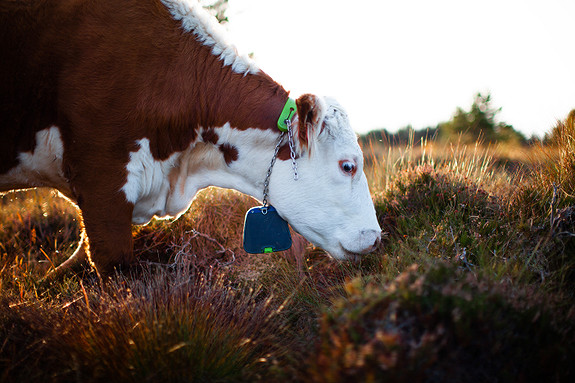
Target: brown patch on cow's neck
x=284, y=153
x=210, y=136
x=230, y=153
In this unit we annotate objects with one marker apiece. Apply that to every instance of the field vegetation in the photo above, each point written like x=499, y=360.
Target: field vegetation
x=474, y=282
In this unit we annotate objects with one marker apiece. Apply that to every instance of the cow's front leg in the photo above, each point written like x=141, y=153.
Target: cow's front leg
x=108, y=224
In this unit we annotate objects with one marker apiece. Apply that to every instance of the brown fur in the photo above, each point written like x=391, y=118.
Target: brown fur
x=108, y=73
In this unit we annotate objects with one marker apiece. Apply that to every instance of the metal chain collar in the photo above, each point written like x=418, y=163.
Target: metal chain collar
x=292, y=150
x=273, y=161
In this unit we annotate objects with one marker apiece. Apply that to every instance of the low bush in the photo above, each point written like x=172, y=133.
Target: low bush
x=443, y=325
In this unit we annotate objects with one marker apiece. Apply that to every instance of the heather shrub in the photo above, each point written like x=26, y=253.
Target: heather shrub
x=436, y=214
x=442, y=325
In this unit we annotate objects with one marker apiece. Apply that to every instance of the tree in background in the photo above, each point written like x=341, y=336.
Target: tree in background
x=217, y=8
x=467, y=127
x=404, y=136
x=479, y=123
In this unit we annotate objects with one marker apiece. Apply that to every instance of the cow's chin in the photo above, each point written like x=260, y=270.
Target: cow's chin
x=340, y=253
x=342, y=250
x=353, y=252
x=337, y=252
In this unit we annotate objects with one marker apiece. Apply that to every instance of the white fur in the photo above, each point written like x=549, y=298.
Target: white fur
x=197, y=20
x=328, y=207
x=147, y=183
x=165, y=189
x=41, y=167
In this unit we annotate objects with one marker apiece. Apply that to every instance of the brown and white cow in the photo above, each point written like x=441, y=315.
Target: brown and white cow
x=130, y=107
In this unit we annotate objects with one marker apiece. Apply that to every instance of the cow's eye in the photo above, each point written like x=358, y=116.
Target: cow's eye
x=348, y=167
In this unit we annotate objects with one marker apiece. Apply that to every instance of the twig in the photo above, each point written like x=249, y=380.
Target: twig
x=553, y=200
x=463, y=259
x=565, y=234
x=48, y=258
x=430, y=241
x=85, y=295
x=182, y=257
x=213, y=240
x=222, y=250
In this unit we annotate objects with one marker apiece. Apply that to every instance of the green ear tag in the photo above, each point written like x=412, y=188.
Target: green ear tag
x=288, y=113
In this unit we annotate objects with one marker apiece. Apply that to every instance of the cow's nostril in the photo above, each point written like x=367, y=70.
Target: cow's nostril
x=371, y=238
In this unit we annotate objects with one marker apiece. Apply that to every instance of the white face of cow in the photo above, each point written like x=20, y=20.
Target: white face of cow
x=330, y=204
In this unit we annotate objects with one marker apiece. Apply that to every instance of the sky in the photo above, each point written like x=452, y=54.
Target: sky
x=413, y=62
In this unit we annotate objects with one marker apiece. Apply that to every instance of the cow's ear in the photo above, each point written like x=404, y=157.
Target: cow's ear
x=310, y=111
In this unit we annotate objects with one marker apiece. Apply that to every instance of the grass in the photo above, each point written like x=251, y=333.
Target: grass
x=473, y=282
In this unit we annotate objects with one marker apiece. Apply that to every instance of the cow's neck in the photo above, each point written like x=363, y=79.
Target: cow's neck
x=201, y=165
x=250, y=101
x=237, y=136
x=210, y=126
x=209, y=95
x=221, y=85
x=242, y=110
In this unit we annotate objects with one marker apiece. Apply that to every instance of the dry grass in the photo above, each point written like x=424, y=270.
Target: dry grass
x=491, y=299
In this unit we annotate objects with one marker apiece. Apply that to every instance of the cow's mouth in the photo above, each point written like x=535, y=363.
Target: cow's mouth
x=358, y=255
x=350, y=255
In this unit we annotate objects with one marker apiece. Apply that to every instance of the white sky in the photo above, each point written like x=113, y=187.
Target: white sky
x=394, y=63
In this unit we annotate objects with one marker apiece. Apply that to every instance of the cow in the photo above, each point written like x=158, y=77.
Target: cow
x=129, y=108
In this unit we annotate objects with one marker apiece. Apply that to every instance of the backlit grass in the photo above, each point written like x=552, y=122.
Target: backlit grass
x=473, y=282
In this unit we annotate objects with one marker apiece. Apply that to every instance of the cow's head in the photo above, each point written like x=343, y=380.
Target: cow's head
x=330, y=203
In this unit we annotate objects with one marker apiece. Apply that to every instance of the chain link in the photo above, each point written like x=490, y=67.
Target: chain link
x=292, y=150
x=273, y=161
x=267, y=179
